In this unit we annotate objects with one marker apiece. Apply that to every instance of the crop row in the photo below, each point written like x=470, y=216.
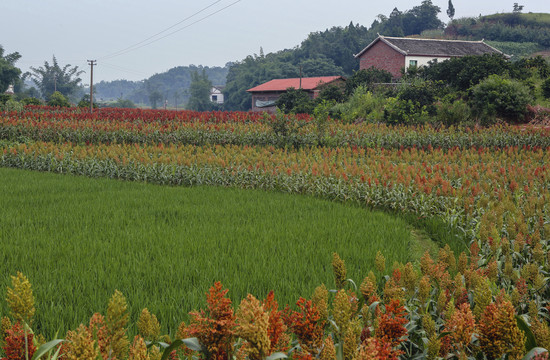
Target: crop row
x=131, y=126
x=489, y=194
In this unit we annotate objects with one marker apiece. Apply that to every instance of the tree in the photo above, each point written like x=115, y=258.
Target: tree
x=57, y=99
x=451, y=10
x=51, y=78
x=517, y=8
x=9, y=74
x=295, y=101
x=154, y=97
x=200, y=92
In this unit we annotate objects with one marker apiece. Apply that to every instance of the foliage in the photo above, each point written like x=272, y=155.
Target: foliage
x=423, y=93
x=506, y=27
x=517, y=50
x=331, y=93
x=366, y=78
x=85, y=102
x=546, y=88
x=498, y=96
x=9, y=74
x=199, y=90
x=58, y=99
x=361, y=105
x=450, y=10
x=409, y=112
x=173, y=85
x=464, y=72
x=295, y=101
x=452, y=111
x=31, y=101
x=12, y=105
x=154, y=97
x=52, y=77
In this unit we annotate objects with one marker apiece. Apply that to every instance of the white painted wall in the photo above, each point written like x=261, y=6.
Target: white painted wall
x=216, y=95
x=421, y=60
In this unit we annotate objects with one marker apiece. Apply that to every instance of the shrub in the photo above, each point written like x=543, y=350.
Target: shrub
x=295, y=101
x=58, y=99
x=12, y=105
x=546, y=88
x=453, y=112
x=367, y=77
x=462, y=73
x=501, y=97
x=31, y=101
x=398, y=111
x=422, y=92
x=362, y=104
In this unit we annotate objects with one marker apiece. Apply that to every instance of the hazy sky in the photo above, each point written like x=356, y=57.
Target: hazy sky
x=77, y=30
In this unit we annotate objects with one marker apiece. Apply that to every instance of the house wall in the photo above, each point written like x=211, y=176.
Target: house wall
x=422, y=60
x=264, y=96
x=382, y=56
x=216, y=96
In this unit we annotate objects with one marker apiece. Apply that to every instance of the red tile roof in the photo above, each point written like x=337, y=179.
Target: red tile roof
x=283, y=84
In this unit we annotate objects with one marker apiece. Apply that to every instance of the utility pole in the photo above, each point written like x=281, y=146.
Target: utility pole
x=54, y=82
x=92, y=63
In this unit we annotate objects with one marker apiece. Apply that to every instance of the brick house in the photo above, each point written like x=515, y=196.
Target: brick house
x=394, y=53
x=265, y=95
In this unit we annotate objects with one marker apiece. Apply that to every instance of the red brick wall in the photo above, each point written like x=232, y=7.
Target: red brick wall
x=382, y=56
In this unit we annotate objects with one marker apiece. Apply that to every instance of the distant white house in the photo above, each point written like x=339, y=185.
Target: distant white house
x=10, y=90
x=216, y=94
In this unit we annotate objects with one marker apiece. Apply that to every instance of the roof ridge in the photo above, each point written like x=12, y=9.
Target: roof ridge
x=424, y=39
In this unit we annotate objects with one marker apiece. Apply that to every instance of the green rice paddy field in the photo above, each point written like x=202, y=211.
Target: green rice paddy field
x=78, y=239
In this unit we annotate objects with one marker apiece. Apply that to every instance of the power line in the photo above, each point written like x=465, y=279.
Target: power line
x=147, y=42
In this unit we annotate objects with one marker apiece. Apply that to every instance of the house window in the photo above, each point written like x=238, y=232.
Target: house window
x=413, y=62
x=214, y=97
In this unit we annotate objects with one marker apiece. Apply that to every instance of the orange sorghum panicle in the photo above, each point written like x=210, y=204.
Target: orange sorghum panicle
x=499, y=333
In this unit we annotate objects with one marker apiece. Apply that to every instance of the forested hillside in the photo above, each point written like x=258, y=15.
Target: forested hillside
x=172, y=85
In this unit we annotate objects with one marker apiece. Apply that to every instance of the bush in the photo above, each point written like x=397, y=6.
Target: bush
x=398, y=111
x=366, y=78
x=422, y=92
x=31, y=101
x=12, y=105
x=363, y=105
x=500, y=97
x=464, y=72
x=453, y=112
x=546, y=88
x=295, y=101
x=57, y=99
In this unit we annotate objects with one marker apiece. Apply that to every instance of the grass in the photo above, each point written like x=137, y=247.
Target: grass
x=79, y=239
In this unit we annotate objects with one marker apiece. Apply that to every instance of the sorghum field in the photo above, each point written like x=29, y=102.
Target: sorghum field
x=485, y=295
